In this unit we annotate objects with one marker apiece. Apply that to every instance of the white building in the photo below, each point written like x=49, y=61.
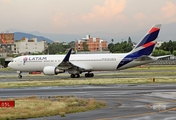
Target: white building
x=57, y=41
x=32, y=46
x=159, y=43
x=64, y=43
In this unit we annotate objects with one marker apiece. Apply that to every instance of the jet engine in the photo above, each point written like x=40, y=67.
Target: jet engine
x=51, y=70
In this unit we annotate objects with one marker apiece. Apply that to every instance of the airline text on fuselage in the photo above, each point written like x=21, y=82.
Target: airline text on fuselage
x=37, y=58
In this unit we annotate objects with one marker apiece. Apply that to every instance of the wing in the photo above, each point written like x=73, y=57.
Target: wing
x=67, y=65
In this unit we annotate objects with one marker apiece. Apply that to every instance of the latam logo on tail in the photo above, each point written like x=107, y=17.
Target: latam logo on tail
x=87, y=63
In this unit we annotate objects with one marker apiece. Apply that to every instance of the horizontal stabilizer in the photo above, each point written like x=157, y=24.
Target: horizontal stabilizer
x=143, y=58
x=164, y=56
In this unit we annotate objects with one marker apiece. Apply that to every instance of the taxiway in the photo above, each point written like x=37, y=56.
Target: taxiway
x=124, y=102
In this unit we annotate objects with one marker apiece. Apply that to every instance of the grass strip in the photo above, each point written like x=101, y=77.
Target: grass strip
x=5, y=69
x=92, y=81
x=34, y=107
x=154, y=67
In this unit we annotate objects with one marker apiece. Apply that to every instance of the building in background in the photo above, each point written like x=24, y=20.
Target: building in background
x=6, y=38
x=93, y=44
x=57, y=41
x=7, y=45
x=30, y=46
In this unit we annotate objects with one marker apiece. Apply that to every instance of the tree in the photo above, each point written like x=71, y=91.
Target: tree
x=2, y=61
x=130, y=41
x=110, y=47
x=122, y=47
x=72, y=44
x=160, y=53
x=56, y=48
x=85, y=46
x=112, y=40
x=168, y=46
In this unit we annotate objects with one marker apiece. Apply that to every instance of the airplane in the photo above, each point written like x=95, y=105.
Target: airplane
x=76, y=64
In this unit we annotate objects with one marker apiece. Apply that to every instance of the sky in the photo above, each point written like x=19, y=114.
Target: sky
x=83, y=16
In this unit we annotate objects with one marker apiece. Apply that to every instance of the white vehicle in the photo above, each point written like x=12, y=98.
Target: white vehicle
x=76, y=64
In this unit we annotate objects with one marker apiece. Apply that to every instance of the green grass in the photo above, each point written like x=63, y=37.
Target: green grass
x=154, y=67
x=5, y=69
x=92, y=81
x=33, y=107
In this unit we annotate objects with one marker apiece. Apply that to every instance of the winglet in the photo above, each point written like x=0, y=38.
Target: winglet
x=67, y=57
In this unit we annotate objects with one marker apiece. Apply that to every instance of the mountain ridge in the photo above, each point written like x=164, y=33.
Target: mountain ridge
x=167, y=33
x=20, y=35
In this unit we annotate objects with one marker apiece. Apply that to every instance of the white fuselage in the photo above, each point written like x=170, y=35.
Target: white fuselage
x=94, y=62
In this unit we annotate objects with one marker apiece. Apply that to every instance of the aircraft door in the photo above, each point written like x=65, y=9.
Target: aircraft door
x=19, y=61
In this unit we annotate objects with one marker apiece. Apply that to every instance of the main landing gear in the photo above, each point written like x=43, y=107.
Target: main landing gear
x=75, y=75
x=89, y=75
x=78, y=75
x=19, y=74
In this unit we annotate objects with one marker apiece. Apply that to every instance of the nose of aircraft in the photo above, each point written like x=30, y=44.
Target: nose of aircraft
x=10, y=64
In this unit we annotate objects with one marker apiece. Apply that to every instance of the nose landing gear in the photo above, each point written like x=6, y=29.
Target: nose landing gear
x=19, y=74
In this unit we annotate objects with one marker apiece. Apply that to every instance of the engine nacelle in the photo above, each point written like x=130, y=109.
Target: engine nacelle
x=51, y=70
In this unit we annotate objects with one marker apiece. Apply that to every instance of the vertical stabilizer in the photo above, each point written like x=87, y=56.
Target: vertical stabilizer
x=143, y=48
x=147, y=44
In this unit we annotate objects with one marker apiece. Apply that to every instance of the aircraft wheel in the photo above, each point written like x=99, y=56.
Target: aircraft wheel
x=20, y=76
x=86, y=75
x=78, y=76
x=72, y=75
x=91, y=75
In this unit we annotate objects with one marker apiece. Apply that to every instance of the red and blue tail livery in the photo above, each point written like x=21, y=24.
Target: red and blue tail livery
x=147, y=44
x=143, y=49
